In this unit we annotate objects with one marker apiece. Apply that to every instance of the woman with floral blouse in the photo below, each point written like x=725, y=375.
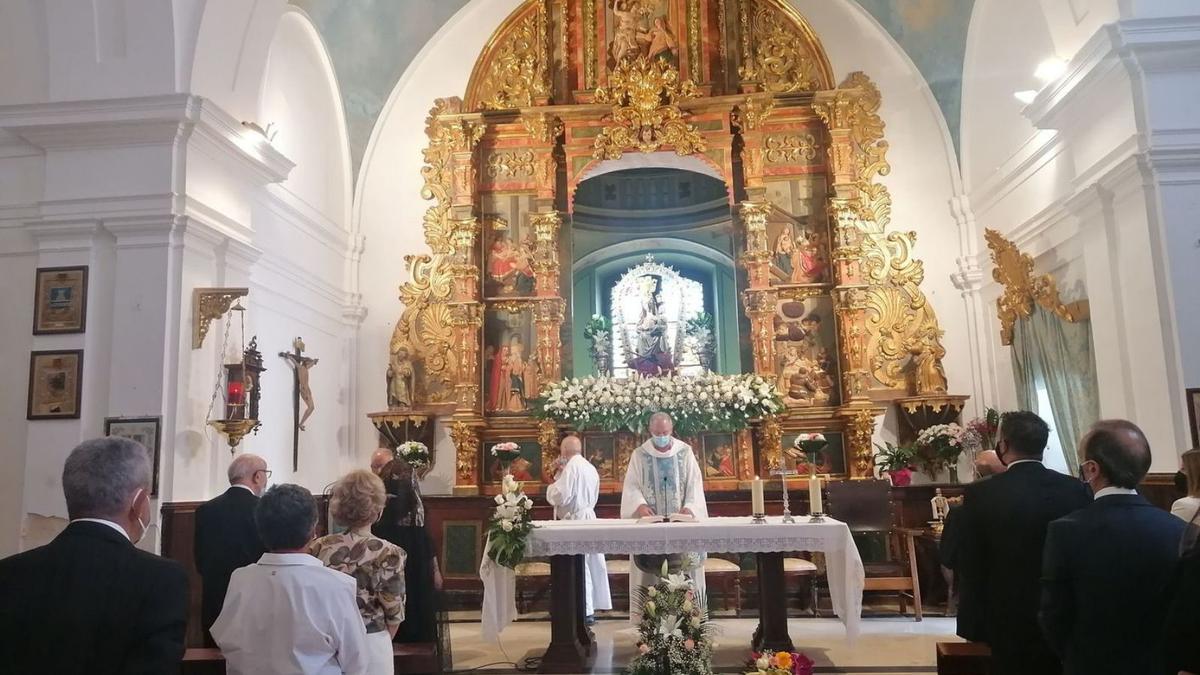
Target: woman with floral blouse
x=377, y=565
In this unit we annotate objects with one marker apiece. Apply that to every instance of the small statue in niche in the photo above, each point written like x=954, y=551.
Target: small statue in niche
x=939, y=505
x=625, y=35
x=400, y=377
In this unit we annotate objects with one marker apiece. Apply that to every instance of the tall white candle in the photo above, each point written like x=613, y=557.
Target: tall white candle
x=756, y=497
x=814, y=495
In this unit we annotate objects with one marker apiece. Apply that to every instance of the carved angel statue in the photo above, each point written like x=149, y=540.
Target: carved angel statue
x=928, y=375
x=400, y=377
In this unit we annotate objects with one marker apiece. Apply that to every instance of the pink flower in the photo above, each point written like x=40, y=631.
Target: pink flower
x=689, y=644
x=644, y=648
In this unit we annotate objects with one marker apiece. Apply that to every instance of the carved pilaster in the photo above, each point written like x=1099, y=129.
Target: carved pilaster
x=467, y=320
x=760, y=308
x=548, y=440
x=465, y=437
x=749, y=118
x=545, y=131
x=757, y=257
x=462, y=135
x=770, y=446
x=465, y=268
x=860, y=428
x=545, y=256
x=850, y=304
x=548, y=318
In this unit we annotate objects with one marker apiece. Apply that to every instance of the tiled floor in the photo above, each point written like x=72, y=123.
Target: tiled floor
x=892, y=645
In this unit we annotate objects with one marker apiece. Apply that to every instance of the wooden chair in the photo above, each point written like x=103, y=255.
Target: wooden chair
x=807, y=571
x=533, y=574
x=866, y=507
x=726, y=574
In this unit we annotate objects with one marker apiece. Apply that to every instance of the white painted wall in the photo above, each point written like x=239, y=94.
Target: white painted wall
x=1099, y=189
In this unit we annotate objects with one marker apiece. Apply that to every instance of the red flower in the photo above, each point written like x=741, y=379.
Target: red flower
x=801, y=664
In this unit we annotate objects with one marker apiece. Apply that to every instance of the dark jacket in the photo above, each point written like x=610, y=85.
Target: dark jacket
x=1000, y=563
x=1181, y=634
x=226, y=539
x=90, y=602
x=1105, y=584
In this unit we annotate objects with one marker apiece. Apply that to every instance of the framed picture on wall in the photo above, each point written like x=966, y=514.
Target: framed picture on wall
x=144, y=430
x=54, y=385
x=60, y=305
x=1193, y=402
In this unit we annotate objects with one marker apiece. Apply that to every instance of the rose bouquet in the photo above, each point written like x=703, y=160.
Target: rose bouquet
x=938, y=448
x=507, y=453
x=510, y=524
x=415, y=453
x=708, y=402
x=675, y=634
x=779, y=663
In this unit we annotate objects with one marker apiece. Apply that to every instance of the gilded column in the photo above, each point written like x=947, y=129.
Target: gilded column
x=548, y=317
x=837, y=109
x=465, y=437
x=759, y=298
x=545, y=256
x=860, y=428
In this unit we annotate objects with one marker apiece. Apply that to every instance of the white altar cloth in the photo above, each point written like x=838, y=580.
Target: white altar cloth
x=844, y=567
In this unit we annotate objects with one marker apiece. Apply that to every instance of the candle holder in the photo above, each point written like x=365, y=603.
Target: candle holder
x=759, y=519
x=788, y=519
x=817, y=518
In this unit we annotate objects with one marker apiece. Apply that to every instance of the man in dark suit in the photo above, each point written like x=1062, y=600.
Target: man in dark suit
x=225, y=536
x=1107, y=567
x=89, y=601
x=1004, y=523
x=987, y=464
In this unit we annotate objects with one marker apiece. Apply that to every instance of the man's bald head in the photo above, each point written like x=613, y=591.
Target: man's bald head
x=1120, y=451
x=380, y=459
x=570, y=447
x=661, y=424
x=987, y=463
x=249, y=470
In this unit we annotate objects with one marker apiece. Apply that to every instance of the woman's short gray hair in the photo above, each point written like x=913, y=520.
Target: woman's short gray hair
x=285, y=517
x=101, y=475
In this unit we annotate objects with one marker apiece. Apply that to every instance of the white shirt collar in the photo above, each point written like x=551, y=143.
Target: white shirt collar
x=1022, y=461
x=1112, y=490
x=247, y=488
x=284, y=559
x=109, y=523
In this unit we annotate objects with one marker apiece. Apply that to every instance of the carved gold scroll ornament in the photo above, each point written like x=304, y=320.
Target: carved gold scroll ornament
x=1014, y=271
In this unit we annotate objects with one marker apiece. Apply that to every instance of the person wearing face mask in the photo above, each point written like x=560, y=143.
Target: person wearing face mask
x=90, y=601
x=663, y=479
x=225, y=538
x=999, y=561
x=1107, y=568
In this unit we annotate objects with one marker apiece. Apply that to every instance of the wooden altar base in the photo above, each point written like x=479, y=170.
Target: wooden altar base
x=572, y=644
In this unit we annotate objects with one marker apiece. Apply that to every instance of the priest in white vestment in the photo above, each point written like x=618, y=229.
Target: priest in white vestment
x=663, y=478
x=573, y=496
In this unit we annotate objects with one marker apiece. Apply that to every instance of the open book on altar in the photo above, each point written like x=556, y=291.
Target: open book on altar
x=673, y=518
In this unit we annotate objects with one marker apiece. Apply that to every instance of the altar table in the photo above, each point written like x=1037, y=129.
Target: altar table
x=565, y=541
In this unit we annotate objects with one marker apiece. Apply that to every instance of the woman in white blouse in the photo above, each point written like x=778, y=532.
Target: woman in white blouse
x=1187, y=507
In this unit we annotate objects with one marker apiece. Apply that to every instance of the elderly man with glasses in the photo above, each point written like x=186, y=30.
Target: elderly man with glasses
x=225, y=535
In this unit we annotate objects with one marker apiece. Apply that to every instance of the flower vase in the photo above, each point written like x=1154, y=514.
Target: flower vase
x=901, y=477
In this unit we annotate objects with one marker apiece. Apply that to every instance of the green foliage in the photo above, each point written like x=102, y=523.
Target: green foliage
x=675, y=629
x=891, y=457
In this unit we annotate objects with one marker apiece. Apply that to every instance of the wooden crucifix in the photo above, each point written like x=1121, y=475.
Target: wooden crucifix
x=300, y=364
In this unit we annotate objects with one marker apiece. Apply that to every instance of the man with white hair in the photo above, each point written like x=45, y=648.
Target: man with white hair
x=90, y=601
x=380, y=459
x=663, y=479
x=225, y=537
x=573, y=496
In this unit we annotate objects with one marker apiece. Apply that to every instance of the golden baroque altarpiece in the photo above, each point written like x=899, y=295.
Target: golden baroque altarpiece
x=745, y=87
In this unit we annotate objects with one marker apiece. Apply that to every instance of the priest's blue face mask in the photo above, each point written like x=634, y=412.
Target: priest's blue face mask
x=661, y=441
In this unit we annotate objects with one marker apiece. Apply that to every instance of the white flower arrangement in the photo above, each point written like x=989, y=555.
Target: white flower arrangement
x=510, y=524
x=674, y=628
x=708, y=402
x=415, y=453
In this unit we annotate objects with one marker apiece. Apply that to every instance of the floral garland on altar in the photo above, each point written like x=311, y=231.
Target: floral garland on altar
x=697, y=404
x=675, y=634
x=510, y=524
x=779, y=663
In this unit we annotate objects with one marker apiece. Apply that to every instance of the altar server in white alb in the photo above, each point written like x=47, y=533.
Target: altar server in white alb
x=663, y=478
x=573, y=496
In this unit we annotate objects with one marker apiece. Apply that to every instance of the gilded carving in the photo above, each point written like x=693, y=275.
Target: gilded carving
x=511, y=164
x=645, y=94
x=589, y=44
x=859, y=431
x=770, y=446
x=750, y=115
x=1014, y=271
x=517, y=74
x=542, y=128
x=694, y=39
x=466, y=450
x=790, y=148
x=782, y=57
x=548, y=440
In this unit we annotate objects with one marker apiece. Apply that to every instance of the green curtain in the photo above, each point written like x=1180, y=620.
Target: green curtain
x=1059, y=353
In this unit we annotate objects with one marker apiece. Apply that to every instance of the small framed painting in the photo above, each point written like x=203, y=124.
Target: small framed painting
x=1193, y=402
x=54, y=385
x=61, y=302
x=601, y=451
x=526, y=468
x=144, y=430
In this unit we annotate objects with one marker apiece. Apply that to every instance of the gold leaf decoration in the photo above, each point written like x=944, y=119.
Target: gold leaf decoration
x=782, y=57
x=1014, y=271
x=519, y=163
x=645, y=94
x=516, y=71
x=790, y=148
